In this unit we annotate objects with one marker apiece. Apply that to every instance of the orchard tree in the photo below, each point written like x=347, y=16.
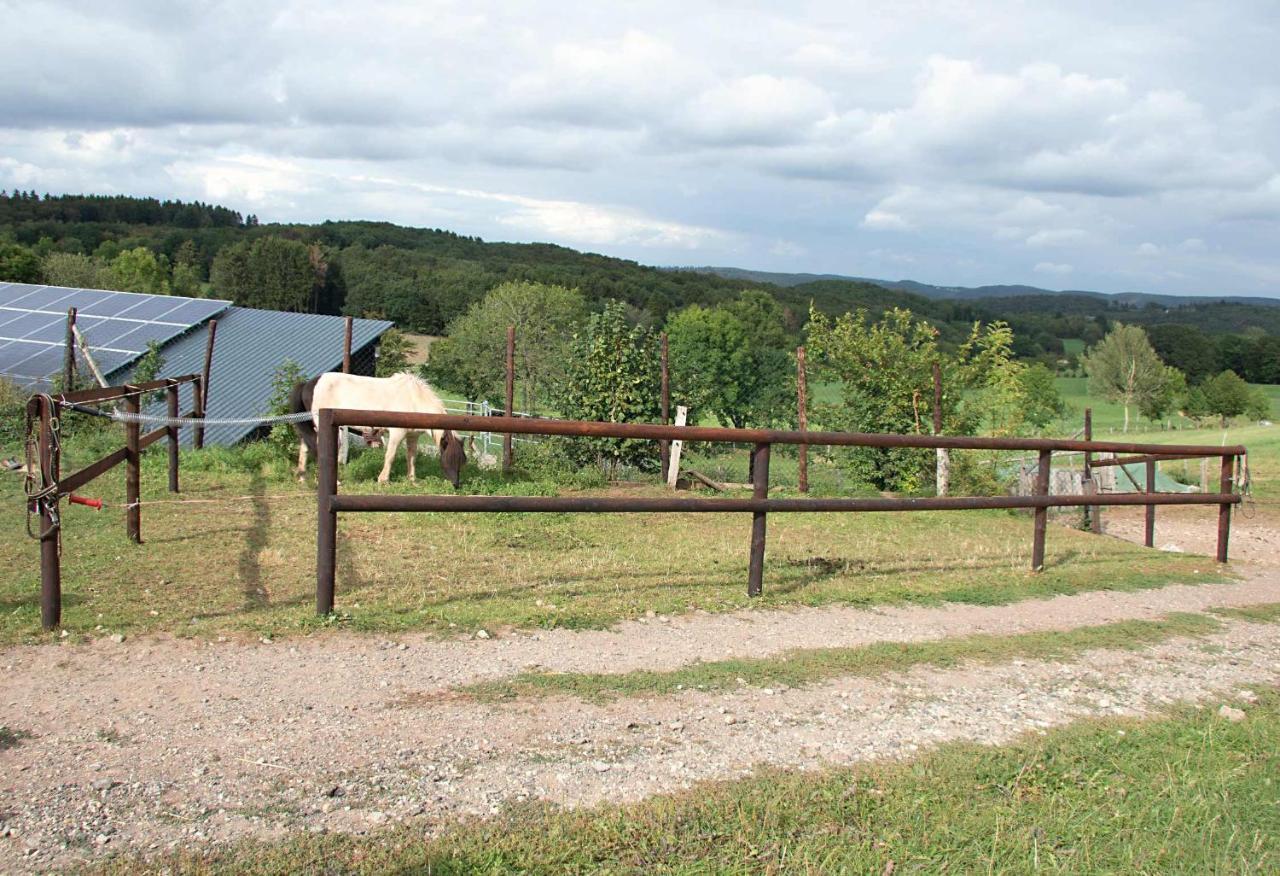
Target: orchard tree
x=472, y=359
x=1123, y=368
x=611, y=374
x=731, y=360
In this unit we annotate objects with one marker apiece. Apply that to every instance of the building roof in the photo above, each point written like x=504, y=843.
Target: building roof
x=116, y=325
x=249, y=347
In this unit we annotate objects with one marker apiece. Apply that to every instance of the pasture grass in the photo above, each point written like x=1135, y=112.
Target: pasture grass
x=1186, y=792
x=803, y=666
x=243, y=558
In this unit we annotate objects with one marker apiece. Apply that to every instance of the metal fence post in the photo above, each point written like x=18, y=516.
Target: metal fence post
x=760, y=490
x=802, y=421
x=664, y=446
x=327, y=517
x=1224, y=510
x=133, y=466
x=348, y=326
x=50, y=522
x=1042, y=513
x=1092, y=513
x=511, y=397
x=1149, y=536
x=172, y=432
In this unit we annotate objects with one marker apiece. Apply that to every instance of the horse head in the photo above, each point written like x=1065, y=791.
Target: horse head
x=452, y=457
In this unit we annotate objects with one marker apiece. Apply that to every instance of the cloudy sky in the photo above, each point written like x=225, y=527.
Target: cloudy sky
x=1120, y=147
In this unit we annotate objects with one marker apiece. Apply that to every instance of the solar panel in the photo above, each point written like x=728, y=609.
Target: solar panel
x=116, y=326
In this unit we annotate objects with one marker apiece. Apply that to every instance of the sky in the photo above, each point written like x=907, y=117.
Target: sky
x=1087, y=145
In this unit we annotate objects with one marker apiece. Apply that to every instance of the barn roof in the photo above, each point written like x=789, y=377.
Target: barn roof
x=249, y=347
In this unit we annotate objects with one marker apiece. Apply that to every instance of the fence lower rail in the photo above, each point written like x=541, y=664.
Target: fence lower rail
x=330, y=503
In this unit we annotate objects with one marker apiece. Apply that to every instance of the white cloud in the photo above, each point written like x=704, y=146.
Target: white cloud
x=1057, y=237
x=754, y=110
x=1148, y=249
x=1055, y=268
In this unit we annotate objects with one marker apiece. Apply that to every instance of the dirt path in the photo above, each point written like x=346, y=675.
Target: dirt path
x=147, y=743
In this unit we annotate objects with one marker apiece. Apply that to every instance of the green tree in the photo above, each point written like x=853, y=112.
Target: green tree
x=273, y=273
x=1158, y=404
x=730, y=361
x=75, y=270
x=1043, y=402
x=472, y=359
x=1186, y=348
x=611, y=374
x=1262, y=360
x=393, y=353
x=1123, y=368
x=1227, y=395
x=139, y=270
x=18, y=264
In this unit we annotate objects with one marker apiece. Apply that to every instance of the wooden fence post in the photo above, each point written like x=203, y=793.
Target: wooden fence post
x=677, y=446
x=50, y=520
x=172, y=434
x=1092, y=513
x=348, y=325
x=1149, y=534
x=133, y=466
x=69, y=353
x=802, y=418
x=1224, y=510
x=760, y=490
x=507, y=441
x=942, y=475
x=664, y=446
x=1042, y=513
x=327, y=518
x=202, y=400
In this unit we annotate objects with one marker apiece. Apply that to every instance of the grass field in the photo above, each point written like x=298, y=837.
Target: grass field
x=1108, y=417
x=1187, y=793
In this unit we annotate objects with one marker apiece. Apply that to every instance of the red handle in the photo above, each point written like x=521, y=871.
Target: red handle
x=96, y=504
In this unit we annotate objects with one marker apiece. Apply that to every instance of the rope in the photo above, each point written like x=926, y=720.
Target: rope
x=126, y=417
x=38, y=484
x=223, y=500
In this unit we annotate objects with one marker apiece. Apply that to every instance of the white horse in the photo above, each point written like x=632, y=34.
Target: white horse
x=401, y=392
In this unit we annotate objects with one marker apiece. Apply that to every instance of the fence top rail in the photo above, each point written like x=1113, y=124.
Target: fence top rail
x=112, y=393
x=659, y=432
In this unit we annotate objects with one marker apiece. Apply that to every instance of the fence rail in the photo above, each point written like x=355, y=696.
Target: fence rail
x=329, y=503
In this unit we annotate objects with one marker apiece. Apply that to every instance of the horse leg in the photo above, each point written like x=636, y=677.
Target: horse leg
x=411, y=451
x=393, y=444
x=302, y=460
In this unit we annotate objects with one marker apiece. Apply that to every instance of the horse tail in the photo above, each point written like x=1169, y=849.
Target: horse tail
x=300, y=401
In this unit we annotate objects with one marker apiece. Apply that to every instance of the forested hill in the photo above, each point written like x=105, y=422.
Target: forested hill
x=423, y=278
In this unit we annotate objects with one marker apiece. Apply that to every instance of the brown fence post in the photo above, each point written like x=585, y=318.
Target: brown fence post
x=69, y=353
x=1149, y=537
x=1092, y=513
x=50, y=522
x=760, y=490
x=327, y=517
x=202, y=398
x=942, y=474
x=802, y=420
x=346, y=344
x=664, y=446
x=511, y=397
x=172, y=431
x=133, y=466
x=1224, y=510
x=1041, y=514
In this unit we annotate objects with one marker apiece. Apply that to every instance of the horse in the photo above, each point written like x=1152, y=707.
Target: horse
x=401, y=392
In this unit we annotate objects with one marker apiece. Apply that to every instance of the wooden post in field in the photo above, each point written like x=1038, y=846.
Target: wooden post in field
x=327, y=525
x=1149, y=536
x=50, y=527
x=943, y=474
x=1092, y=513
x=802, y=418
x=673, y=470
x=69, y=353
x=202, y=401
x=664, y=447
x=347, y=329
x=133, y=467
x=1041, y=514
x=759, y=490
x=511, y=397
x=171, y=432
x=1224, y=510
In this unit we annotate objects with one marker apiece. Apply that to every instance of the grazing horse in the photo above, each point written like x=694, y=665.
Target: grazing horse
x=401, y=393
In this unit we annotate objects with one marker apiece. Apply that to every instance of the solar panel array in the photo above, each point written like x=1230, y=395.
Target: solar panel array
x=116, y=325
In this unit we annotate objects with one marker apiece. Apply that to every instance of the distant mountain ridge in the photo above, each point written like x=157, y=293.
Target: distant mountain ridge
x=969, y=293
